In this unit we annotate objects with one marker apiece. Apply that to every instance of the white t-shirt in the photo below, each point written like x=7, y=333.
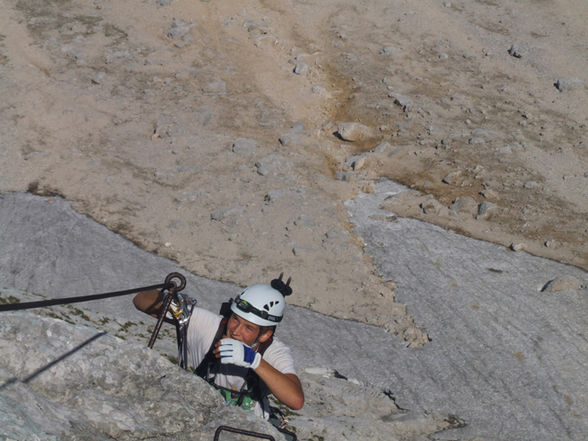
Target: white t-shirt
x=202, y=329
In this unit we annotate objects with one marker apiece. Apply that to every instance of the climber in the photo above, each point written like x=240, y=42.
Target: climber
x=236, y=351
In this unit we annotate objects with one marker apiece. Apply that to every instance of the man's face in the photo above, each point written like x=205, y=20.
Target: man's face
x=242, y=330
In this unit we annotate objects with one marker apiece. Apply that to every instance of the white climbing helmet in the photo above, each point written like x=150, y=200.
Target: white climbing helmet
x=260, y=304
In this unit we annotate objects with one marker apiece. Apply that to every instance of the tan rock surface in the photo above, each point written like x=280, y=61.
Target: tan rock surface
x=132, y=110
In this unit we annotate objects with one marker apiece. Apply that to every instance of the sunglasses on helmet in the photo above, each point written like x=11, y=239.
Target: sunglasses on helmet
x=245, y=306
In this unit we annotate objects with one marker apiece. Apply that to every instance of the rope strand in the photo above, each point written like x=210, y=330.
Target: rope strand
x=67, y=300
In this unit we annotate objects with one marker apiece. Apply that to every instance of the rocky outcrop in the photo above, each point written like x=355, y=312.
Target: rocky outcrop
x=70, y=381
x=62, y=381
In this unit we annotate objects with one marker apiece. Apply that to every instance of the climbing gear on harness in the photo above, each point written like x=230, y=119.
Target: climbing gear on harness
x=235, y=352
x=177, y=308
x=179, y=312
x=279, y=421
x=236, y=398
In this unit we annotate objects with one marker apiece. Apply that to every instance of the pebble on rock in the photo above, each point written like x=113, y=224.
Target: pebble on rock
x=464, y=204
x=97, y=79
x=319, y=90
x=565, y=84
x=387, y=51
x=515, y=51
x=485, y=209
x=289, y=138
x=404, y=102
x=530, y=184
x=562, y=283
x=244, y=146
x=483, y=135
x=273, y=164
x=300, y=251
x=552, y=243
x=179, y=29
x=453, y=178
x=301, y=68
x=293, y=135
x=489, y=194
x=353, y=131
x=431, y=206
x=275, y=195
x=476, y=140
x=383, y=147
x=356, y=162
x=517, y=246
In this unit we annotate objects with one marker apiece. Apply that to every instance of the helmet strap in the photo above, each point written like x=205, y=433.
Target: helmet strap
x=256, y=342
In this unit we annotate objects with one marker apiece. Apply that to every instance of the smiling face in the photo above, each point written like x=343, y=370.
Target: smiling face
x=245, y=331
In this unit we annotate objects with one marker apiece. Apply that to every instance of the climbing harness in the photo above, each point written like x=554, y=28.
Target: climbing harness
x=209, y=366
x=252, y=390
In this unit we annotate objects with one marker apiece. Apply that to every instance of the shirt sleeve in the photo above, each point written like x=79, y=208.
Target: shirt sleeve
x=201, y=331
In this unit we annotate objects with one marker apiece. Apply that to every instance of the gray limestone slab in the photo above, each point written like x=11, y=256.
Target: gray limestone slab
x=505, y=357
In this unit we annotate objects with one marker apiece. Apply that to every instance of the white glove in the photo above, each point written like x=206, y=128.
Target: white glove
x=234, y=352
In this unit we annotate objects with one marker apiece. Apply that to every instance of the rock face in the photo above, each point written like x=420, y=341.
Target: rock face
x=72, y=382
x=60, y=381
x=139, y=119
x=489, y=324
x=150, y=116
x=480, y=303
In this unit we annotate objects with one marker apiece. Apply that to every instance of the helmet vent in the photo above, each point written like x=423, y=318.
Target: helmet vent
x=271, y=304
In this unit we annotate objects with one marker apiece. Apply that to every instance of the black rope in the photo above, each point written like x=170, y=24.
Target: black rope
x=67, y=300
